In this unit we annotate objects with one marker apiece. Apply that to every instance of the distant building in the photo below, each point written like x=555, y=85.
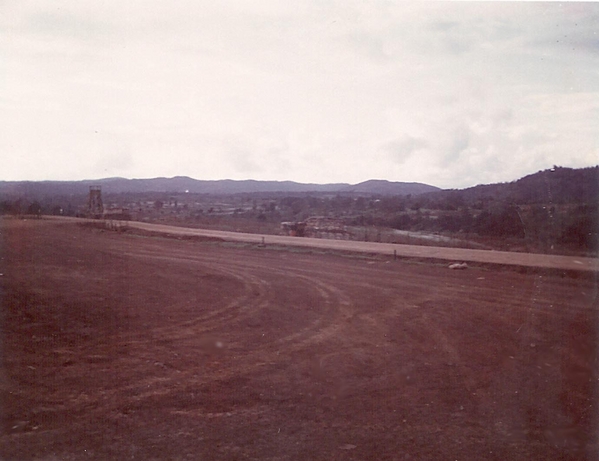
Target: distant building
x=318, y=227
x=117, y=213
x=294, y=229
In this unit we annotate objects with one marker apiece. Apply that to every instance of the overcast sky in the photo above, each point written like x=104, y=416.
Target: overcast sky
x=449, y=94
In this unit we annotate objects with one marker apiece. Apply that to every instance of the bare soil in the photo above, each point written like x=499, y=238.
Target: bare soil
x=118, y=346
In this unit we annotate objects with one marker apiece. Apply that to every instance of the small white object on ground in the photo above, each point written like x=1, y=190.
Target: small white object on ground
x=458, y=266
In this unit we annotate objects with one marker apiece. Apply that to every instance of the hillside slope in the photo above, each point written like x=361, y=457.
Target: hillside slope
x=556, y=185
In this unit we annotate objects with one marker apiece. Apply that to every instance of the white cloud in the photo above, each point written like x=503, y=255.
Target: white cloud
x=450, y=94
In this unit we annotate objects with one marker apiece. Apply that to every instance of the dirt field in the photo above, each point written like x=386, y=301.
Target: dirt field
x=118, y=346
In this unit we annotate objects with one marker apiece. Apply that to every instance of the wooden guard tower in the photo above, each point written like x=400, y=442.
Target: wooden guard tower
x=96, y=209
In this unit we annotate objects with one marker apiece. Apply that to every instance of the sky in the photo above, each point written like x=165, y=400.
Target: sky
x=451, y=94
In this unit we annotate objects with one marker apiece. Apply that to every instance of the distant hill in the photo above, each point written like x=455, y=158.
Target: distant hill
x=180, y=184
x=557, y=185
x=382, y=187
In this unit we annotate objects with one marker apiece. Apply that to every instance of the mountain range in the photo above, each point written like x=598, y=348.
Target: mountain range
x=555, y=185
x=181, y=184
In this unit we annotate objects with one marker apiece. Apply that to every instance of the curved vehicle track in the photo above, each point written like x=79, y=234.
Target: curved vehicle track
x=125, y=346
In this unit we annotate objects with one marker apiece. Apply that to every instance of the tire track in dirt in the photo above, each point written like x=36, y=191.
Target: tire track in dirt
x=258, y=295
x=234, y=363
x=256, y=292
x=336, y=301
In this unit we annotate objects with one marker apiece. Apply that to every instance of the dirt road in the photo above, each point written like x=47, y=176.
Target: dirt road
x=413, y=251
x=121, y=346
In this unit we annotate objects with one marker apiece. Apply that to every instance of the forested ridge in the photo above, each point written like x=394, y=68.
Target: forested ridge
x=558, y=206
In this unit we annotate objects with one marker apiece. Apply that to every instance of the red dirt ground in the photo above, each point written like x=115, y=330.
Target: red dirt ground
x=119, y=346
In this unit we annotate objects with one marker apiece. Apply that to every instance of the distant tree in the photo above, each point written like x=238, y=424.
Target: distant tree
x=392, y=204
x=6, y=207
x=17, y=206
x=501, y=222
x=582, y=229
x=314, y=203
x=34, y=209
x=360, y=203
x=401, y=221
x=358, y=221
x=341, y=203
x=455, y=200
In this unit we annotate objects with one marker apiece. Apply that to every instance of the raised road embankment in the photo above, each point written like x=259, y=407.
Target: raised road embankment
x=407, y=251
